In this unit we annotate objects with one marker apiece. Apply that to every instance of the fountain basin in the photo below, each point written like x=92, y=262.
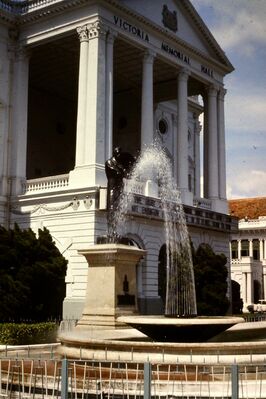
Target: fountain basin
x=168, y=329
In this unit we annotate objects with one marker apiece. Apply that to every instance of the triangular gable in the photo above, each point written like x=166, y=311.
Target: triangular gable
x=179, y=18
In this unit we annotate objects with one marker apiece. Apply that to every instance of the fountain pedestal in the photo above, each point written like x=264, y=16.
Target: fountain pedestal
x=111, y=286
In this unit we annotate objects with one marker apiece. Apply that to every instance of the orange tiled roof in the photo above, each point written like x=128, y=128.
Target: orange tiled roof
x=250, y=207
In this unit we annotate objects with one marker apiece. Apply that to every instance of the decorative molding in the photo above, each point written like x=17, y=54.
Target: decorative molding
x=43, y=207
x=97, y=29
x=83, y=33
x=88, y=202
x=169, y=18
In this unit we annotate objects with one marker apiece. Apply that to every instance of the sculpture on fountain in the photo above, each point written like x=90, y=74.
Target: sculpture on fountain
x=117, y=168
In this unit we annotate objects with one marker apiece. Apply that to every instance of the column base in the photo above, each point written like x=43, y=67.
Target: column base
x=87, y=176
x=186, y=197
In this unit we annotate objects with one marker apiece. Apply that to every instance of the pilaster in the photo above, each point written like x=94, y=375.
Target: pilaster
x=93, y=154
x=197, y=159
x=17, y=170
x=147, y=127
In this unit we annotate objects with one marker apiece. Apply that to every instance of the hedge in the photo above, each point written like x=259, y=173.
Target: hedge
x=26, y=334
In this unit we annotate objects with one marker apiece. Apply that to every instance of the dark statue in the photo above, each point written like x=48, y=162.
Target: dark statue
x=117, y=168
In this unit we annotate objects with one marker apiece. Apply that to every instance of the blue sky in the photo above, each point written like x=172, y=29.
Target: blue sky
x=240, y=29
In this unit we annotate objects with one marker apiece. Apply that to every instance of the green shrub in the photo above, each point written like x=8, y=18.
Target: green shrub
x=26, y=334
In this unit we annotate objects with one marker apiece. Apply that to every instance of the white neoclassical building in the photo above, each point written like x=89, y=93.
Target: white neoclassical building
x=248, y=249
x=79, y=77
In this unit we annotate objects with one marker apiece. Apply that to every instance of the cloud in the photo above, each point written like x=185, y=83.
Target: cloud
x=246, y=184
x=239, y=24
x=246, y=111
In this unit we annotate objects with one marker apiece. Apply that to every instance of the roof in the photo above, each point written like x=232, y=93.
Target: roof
x=251, y=208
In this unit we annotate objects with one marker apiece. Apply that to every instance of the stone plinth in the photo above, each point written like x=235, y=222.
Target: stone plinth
x=111, y=287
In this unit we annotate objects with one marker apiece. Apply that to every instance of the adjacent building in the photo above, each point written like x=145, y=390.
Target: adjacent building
x=248, y=249
x=79, y=77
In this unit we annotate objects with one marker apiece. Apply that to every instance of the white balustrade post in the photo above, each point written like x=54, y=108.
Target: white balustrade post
x=147, y=128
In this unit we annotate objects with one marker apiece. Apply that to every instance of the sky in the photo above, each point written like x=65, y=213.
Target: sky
x=240, y=29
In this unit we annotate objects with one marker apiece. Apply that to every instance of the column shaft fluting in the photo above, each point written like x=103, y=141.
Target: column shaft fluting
x=147, y=128
x=212, y=144
x=221, y=145
x=109, y=94
x=182, y=131
x=96, y=96
x=82, y=95
x=19, y=121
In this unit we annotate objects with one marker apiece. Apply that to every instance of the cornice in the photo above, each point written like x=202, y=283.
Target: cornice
x=58, y=6
x=206, y=33
x=224, y=64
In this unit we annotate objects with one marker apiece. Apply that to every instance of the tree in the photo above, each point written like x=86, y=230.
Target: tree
x=32, y=273
x=210, y=281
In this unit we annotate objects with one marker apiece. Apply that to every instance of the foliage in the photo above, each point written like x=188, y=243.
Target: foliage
x=210, y=281
x=25, y=334
x=32, y=273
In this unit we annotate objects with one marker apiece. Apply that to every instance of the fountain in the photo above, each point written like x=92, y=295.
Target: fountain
x=180, y=323
x=111, y=296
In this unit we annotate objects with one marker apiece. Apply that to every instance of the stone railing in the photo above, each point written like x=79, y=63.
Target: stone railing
x=20, y=7
x=46, y=184
x=134, y=187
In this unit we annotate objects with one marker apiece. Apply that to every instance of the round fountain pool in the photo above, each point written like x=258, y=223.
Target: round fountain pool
x=168, y=329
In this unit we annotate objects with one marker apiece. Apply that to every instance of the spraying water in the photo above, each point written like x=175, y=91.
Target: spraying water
x=154, y=166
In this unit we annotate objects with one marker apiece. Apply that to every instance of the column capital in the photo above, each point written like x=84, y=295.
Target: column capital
x=183, y=74
x=149, y=56
x=221, y=93
x=212, y=90
x=97, y=29
x=111, y=36
x=83, y=33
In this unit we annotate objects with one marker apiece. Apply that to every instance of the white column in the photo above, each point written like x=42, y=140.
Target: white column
x=182, y=131
x=264, y=282
x=197, y=160
x=244, y=287
x=249, y=288
x=264, y=250
x=261, y=249
x=239, y=249
x=221, y=144
x=82, y=95
x=109, y=94
x=212, y=144
x=250, y=248
x=147, y=128
x=205, y=148
x=19, y=120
